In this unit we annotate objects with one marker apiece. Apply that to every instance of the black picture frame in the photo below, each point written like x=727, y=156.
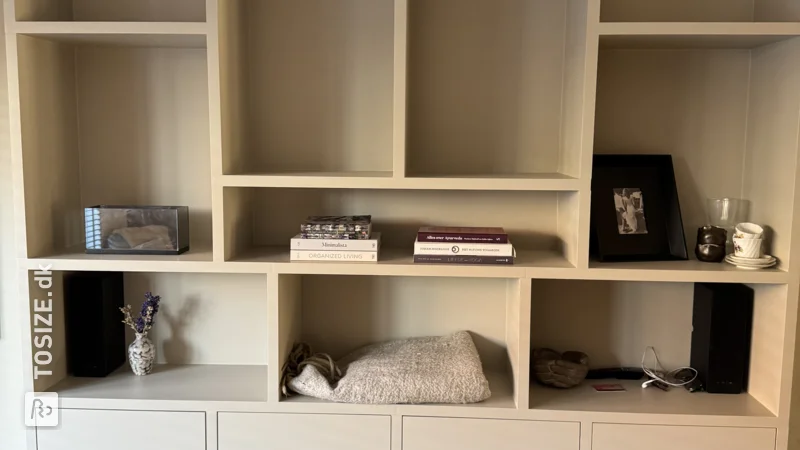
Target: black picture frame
x=635, y=213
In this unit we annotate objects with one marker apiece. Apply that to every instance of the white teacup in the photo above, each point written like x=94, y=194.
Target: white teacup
x=748, y=230
x=748, y=248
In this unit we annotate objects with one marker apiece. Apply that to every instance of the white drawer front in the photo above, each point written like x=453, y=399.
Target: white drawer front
x=264, y=431
x=424, y=433
x=86, y=429
x=654, y=437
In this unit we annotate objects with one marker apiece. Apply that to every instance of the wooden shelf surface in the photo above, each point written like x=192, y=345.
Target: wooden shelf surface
x=193, y=383
x=401, y=262
x=385, y=180
x=131, y=34
x=638, y=401
x=685, y=271
x=694, y=35
x=198, y=259
x=499, y=383
x=536, y=264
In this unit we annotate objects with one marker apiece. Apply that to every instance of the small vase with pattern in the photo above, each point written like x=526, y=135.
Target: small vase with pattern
x=142, y=355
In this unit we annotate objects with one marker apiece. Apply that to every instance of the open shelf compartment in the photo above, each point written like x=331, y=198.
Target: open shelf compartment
x=110, y=10
x=110, y=125
x=321, y=102
x=495, y=89
x=210, y=336
x=728, y=117
x=613, y=323
x=259, y=222
x=339, y=314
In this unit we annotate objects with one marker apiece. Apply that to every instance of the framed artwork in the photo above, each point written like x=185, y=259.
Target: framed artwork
x=636, y=215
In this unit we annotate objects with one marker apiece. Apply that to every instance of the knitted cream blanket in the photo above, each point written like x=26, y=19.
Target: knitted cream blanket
x=419, y=370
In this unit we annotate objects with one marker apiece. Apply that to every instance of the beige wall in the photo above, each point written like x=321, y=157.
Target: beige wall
x=12, y=431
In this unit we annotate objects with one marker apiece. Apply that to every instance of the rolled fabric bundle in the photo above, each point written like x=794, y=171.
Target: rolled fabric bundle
x=559, y=370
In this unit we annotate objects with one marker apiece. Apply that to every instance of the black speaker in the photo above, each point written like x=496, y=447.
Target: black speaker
x=94, y=329
x=722, y=325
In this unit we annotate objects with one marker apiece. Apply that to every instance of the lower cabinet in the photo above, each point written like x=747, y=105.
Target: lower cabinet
x=87, y=429
x=426, y=433
x=266, y=431
x=657, y=437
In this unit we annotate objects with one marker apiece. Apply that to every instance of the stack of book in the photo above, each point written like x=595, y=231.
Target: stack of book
x=336, y=238
x=463, y=245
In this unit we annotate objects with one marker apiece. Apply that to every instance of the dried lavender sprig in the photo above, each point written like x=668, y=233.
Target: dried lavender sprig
x=144, y=322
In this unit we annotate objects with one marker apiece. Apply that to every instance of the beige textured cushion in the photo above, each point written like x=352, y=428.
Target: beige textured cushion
x=419, y=370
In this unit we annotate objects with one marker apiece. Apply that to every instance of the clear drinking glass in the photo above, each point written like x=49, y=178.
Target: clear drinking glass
x=727, y=213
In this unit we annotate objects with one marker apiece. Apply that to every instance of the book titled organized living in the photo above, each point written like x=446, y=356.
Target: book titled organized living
x=336, y=239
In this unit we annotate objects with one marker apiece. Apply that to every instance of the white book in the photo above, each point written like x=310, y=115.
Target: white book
x=333, y=255
x=359, y=245
x=466, y=249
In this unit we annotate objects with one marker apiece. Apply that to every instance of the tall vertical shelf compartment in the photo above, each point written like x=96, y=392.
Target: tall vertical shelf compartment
x=257, y=113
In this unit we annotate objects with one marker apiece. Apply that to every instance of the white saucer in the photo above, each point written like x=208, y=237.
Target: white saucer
x=744, y=264
x=766, y=259
x=751, y=263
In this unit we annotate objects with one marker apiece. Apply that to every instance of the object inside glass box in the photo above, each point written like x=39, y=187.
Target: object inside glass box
x=137, y=230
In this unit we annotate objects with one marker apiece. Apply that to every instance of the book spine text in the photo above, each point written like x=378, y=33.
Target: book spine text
x=341, y=256
x=463, y=259
x=469, y=238
x=361, y=245
x=466, y=249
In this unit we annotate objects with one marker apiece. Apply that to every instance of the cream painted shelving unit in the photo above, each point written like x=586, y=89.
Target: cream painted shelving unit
x=257, y=113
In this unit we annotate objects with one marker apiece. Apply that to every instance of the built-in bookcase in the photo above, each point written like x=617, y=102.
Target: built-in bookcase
x=256, y=114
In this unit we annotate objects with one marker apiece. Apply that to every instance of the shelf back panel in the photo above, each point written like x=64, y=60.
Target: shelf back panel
x=700, y=11
x=677, y=10
x=205, y=318
x=613, y=322
x=344, y=313
x=777, y=11
x=320, y=100
x=111, y=10
x=485, y=82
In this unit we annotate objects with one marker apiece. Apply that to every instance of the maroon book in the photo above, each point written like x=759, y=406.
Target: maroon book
x=462, y=234
x=463, y=259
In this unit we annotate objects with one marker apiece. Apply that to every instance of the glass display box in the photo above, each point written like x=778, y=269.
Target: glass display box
x=137, y=230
